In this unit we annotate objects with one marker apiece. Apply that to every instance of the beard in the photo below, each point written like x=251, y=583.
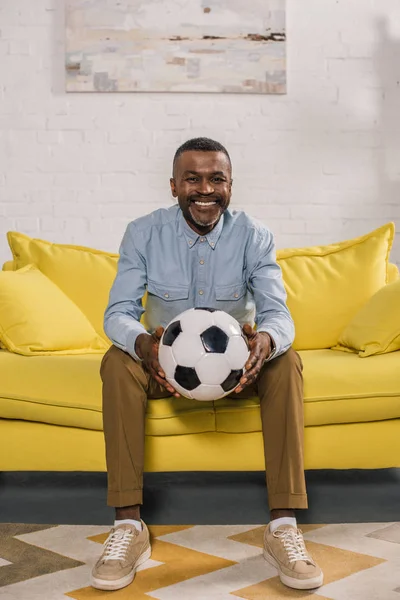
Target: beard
x=204, y=222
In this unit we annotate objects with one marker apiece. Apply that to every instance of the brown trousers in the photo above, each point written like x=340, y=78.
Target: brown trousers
x=126, y=387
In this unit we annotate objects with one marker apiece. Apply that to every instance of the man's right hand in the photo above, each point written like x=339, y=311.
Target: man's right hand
x=146, y=347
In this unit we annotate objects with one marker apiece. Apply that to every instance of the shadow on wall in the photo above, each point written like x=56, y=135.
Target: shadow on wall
x=387, y=67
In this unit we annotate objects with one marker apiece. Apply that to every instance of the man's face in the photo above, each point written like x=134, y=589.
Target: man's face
x=202, y=183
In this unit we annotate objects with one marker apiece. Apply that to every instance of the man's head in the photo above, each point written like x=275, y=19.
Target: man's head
x=202, y=182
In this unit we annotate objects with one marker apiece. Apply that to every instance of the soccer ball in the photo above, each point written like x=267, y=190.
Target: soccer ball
x=203, y=353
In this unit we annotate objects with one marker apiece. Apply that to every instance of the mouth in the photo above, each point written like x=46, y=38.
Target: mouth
x=204, y=204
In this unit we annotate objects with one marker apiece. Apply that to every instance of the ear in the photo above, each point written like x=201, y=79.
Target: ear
x=172, y=183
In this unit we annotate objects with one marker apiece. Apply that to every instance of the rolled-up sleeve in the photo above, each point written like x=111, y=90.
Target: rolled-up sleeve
x=266, y=285
x=122, y=316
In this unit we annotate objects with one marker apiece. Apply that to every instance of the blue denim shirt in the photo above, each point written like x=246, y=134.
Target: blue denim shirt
x=232, y=268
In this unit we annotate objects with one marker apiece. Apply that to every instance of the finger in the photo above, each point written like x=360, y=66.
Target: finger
x=248, y=373
x=158, y=333
x=247, y=329
x=172, y=389
x=242, y=385
x=160, y=376
x=252, y=375
x=155, y=365
x=164, y=383
x=251, y=361
x=245, y=379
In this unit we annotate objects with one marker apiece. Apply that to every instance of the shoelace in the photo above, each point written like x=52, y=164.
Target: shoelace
x=293, y=542
x=117, y=544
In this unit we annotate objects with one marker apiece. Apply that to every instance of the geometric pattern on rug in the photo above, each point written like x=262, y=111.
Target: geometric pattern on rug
x=361, y=561
x=25, y=561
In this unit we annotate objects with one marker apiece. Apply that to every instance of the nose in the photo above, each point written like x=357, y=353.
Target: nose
x=205, y=187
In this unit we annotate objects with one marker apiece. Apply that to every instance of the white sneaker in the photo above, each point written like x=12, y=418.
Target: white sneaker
x=124, y=551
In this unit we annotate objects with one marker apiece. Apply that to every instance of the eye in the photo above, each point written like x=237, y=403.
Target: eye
x=218, y=179
x=191, y=179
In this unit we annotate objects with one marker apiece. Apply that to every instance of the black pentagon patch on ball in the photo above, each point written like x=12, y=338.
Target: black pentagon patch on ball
x=187, y=377
x=232, y=380
x=205, y=308
x=171, y=333
x=214, y=340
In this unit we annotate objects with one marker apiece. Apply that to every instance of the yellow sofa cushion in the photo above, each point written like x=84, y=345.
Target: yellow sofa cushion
x=85, y=275
x=393, y=273
x=9, y=266
x=36, y=317
x=376, y=327
x=338, y=388
x=327, y=285
x=66, y=390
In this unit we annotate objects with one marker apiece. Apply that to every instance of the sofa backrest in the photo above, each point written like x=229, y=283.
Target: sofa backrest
x=393, y=270
x=393, y=275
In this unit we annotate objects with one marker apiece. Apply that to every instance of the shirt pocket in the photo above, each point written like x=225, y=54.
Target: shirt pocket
x=230, y=293
x=167, y=292
x=232, y=299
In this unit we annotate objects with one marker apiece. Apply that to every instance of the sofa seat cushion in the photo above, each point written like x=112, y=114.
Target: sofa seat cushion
x=66, y=390
x=338, y=388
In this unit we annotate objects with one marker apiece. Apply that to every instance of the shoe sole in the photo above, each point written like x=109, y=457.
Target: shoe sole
x=116, y=584
x=292, y=582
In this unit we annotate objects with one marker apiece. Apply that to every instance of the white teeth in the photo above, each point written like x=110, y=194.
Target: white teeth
x=205, y=203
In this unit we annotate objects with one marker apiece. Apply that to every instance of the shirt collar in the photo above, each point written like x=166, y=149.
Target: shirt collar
x=191, y=236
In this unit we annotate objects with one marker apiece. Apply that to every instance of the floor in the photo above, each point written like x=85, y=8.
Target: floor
x=360, y=561
x=199, y=498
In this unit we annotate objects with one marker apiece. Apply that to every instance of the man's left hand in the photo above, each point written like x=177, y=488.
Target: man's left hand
x=260, y=348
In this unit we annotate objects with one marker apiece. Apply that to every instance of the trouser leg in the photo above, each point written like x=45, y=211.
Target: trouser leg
x=126, y=388
x=280, y=389
x=279, y=386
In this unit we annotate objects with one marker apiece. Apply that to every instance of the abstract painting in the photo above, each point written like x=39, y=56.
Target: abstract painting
x=220, y=46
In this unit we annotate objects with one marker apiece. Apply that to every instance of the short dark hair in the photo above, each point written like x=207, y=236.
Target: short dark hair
x=201, y=144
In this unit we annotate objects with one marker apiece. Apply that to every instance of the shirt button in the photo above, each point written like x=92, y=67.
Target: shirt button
x=190, y=242
x=202, y=239
x=236, y=295
x=202, y=262
x=166, y=295
x=212, y=244
x=201, y=292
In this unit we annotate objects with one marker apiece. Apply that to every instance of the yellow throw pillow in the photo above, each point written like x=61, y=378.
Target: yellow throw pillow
x=393, y=273
x=376, y=327
x=85, y=275
x=9, y=266
x=327, y=285
x=37, y=318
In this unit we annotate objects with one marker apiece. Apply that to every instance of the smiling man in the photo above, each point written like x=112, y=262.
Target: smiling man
x=199, y=253
x=202, y=182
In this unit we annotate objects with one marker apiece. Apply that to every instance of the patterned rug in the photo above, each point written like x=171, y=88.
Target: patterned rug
x=361, y=561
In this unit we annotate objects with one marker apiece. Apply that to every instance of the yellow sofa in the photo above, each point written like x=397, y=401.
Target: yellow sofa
x=50, y=405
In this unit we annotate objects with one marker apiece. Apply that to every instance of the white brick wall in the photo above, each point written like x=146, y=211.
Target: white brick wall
x=318, y=165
